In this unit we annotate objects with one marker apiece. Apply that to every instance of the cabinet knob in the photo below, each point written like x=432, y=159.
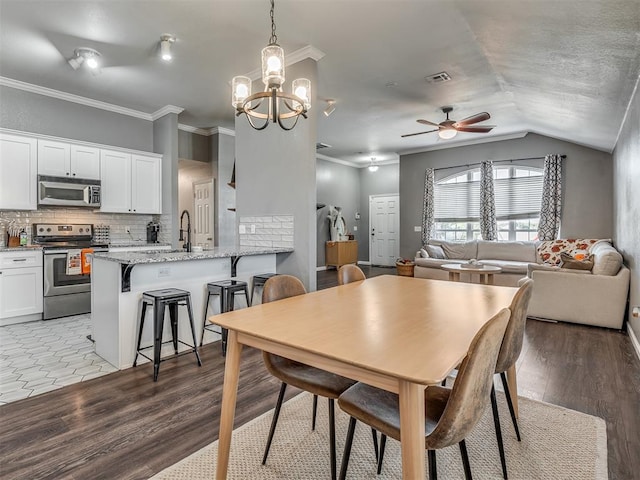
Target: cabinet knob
x=67, y=173
x=74, y=174
x=129, y=209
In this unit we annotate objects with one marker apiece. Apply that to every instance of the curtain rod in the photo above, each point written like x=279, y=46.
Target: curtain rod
x=494, y=161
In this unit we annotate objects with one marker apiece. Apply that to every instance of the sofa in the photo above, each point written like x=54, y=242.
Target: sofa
x=596, y=295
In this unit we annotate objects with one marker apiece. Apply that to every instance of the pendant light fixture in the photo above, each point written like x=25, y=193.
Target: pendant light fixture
x=372, y=166
x=276, y=104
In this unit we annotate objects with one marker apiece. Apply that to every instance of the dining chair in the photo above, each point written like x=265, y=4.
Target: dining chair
x=509, y=353
x=311, y=379
x=350, y=273
x=451, y=413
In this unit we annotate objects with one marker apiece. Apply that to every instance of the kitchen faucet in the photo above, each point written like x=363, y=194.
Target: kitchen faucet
x=188, y=244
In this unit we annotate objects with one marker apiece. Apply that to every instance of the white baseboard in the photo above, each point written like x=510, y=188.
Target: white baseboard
x=363, y=262
x=320, y=269
x=634, y=340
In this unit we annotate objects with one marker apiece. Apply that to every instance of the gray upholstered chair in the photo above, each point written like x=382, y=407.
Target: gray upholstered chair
x=350, y=273
x=450, y=413
x=305, y=377
x=509, y=353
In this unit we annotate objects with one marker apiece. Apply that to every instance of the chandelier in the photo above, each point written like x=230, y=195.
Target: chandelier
x=272, y=104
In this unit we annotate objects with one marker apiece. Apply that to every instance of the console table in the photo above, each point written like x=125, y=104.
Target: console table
x=341, y=253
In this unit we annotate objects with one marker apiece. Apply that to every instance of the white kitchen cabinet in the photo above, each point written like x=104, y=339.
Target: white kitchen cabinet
x=131, y=183
x=18, y=172
x=61, y=159
x=21, y=295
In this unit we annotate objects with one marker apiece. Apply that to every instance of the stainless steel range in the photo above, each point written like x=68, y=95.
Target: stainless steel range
x=66, y=291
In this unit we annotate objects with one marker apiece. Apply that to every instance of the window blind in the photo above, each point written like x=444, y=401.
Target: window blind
x=457, y=202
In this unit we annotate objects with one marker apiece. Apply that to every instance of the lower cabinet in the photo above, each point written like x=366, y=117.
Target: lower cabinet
x=20, y=285
x=341, y=253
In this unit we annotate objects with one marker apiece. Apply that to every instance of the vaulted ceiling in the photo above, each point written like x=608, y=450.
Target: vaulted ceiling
x=562, y=68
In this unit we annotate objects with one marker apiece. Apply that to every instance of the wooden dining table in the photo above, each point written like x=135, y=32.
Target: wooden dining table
x=397, y=333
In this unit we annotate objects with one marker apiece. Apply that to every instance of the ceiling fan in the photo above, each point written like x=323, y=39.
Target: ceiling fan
x=450, y=128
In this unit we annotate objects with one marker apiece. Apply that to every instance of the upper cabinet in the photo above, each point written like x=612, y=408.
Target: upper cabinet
x=61, y=159
x=18, y=172
x=131, y=183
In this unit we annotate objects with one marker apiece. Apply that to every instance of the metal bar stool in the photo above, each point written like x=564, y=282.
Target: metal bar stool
x=159, y=299
x=227, y=290
x=259, y=281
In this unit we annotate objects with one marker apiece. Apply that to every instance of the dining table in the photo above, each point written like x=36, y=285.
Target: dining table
x=397, y=333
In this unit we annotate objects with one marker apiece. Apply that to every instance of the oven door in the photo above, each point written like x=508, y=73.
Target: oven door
x=56, y=280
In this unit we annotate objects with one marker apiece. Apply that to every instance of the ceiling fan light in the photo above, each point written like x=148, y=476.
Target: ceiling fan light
x=447, y=133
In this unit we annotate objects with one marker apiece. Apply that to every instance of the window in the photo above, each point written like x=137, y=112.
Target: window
x=518, y=193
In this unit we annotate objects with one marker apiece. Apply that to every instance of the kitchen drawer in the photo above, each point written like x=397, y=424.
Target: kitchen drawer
x=20, y=259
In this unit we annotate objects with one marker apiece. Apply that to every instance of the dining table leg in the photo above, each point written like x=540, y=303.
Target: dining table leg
x=228, y=408
x=411, y=398
x=513, y=388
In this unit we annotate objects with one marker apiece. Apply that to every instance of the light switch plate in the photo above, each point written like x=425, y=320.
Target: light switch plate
x=253, y=228
x=164, y=272
x=355, y=228
x=417, y=228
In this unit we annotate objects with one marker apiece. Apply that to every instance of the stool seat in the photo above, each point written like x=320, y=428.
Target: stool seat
x=159, y=299
x=259, y=280
x=227, y=289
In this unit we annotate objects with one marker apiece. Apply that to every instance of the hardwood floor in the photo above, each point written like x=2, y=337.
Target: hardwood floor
x=123, y=426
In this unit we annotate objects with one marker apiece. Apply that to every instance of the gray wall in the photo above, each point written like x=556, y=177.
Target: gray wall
x=276, y=175
x=30, y=112
x=626, y=159
x=337, y=185
x=587, y=184
x=227, y=234
x=165, y=141
x=384, y=181
x=193, y=146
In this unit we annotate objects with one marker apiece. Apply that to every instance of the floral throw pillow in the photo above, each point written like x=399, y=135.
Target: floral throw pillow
x=549, y=251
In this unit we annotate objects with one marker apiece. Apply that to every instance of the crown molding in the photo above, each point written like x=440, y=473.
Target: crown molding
x=199, y=131
x=222, y=131
x=464, y=143
x=69, y=97
x=167, y=109
x=294, y=57
x=320, y=156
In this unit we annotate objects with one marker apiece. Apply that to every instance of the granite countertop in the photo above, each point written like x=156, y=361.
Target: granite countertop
x=136, y=258
x=17, y=249
x=138, y=244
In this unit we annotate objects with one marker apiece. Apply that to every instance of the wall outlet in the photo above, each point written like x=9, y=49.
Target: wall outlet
x=164, y=272
x=355, y=228
x=635, y=312
x=253, y=229
x=127, y=229
x=242, y=229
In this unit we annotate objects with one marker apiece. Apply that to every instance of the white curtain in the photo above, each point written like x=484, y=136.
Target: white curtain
x=427, y=206
x=488, y=224
x=551, y=207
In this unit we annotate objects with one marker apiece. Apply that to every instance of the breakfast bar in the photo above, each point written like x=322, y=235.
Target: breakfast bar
x=119, y=279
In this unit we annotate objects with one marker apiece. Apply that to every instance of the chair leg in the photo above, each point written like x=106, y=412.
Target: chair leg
x=173, y=316
x=332, y=436
x=465, y=460
x=507, y=394
x=315, y=411
x=347, y=448
x=158, y=325
x=433, y=471
x=383, y=443
x=193, y=331
x=496, y=422
x=374, y=433
x=143, y=314
x=246, y=297
x=204, y=316
x=274, y=421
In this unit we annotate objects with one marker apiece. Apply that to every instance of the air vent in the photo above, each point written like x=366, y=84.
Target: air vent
x=438, y=78
x=321, y=145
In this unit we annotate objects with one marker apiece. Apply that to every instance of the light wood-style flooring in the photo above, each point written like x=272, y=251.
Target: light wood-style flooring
x=124, y=426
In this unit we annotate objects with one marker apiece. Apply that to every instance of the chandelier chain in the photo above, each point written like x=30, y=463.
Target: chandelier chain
x=273, y=40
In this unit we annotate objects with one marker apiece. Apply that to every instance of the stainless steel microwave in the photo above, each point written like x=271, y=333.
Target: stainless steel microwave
x=68, y=192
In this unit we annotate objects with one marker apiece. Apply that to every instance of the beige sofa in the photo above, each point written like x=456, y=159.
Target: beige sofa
x=593, y=297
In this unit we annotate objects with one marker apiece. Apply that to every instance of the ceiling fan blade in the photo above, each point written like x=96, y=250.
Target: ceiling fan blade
x=419, y=133
x=482, y=129
x=478, y=117
x=427, y=122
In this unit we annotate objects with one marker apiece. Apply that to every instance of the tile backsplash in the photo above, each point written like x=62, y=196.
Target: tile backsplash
x=266, y=231
x=117, y=222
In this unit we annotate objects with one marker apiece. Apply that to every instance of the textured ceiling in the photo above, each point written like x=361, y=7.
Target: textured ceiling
x=562, y=68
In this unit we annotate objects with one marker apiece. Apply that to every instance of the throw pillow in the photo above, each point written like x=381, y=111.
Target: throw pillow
x=549, y=251
x=435, y=251
x=570, y=262
x=423, y=253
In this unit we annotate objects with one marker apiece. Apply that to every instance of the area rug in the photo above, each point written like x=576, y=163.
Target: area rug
x=557, y=443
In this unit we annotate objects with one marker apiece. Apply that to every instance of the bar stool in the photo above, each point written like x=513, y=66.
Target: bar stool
x=259, y=281
x=227, y=290
x=159, y=299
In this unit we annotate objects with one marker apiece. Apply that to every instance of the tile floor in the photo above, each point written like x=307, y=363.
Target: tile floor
x=38, y=357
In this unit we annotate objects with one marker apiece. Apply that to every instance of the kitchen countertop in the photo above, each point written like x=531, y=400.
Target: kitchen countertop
x=138, y=244
x=136, y=258
x=17, y=249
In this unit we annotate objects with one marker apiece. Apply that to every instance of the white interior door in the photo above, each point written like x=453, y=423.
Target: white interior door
x=203, y=213
x=384, y=229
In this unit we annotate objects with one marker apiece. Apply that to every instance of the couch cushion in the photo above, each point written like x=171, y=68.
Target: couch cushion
x=508, y=266
x=514, y=251
x=568, y=261
x=549, y=251
x=606, y=259
x=460, y=251
x=435, y=262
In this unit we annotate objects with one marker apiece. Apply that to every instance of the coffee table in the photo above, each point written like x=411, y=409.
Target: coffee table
x=485, y=272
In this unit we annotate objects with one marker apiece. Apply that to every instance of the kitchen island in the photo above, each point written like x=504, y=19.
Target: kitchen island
x=119, y=279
